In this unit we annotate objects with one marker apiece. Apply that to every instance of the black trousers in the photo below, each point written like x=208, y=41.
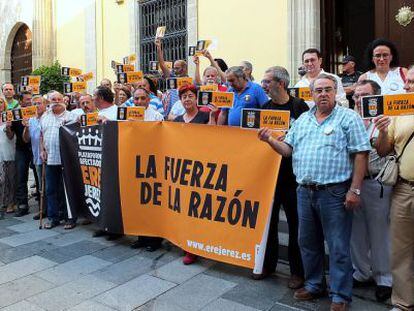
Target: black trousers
x=286, y=197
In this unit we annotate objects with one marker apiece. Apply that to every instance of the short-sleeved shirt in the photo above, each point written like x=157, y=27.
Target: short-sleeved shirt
x=200, y=118
x=50, y=124
x=399, y=131
x=155, y=102
x=34, y=131
x=322, y=151
x=296, y=106
x=252, y=96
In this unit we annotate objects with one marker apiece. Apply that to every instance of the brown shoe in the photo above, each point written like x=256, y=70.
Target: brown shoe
x=11, y=208
x=303, y=294
x=342, y=306
x=295, y=282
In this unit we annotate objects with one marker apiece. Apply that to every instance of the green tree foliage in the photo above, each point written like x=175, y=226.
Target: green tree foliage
x=51, y=78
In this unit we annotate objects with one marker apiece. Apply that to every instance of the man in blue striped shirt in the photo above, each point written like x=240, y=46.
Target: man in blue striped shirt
x=329, y=148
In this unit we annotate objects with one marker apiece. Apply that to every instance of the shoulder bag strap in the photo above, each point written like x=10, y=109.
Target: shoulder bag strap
x=408, y=141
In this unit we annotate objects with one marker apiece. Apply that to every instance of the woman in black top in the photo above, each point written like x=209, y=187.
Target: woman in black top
x=188, y=97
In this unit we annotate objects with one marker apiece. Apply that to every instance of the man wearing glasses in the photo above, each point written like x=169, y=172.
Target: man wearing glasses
x=312, y=61
x=329, y=147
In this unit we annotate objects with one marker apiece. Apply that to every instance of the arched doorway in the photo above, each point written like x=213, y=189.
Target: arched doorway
x=21, y=54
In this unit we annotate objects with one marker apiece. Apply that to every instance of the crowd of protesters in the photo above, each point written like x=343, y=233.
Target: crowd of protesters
x=327, y=182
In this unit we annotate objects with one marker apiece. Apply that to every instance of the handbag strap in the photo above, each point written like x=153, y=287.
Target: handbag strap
x=408, y=141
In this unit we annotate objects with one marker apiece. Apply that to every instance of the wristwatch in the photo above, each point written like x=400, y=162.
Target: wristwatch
x=355, y=191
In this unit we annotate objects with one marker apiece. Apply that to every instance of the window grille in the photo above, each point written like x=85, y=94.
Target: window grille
x=169, y=13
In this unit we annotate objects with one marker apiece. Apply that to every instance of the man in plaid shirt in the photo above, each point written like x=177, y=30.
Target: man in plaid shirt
x=329, y=148
x=50, y=124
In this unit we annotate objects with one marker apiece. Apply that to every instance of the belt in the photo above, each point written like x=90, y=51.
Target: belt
x=405, y=181
x=317, y=187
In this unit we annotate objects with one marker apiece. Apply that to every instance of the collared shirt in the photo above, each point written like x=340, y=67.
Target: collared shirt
x=13, y=104
x=322, y=152
x=340, y=92
x=252, y=96
x=155, y=102
x=399, y=131
x=50, y=124
x=34, y=131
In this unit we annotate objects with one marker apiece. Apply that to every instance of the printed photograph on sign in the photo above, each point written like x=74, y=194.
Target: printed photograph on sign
x=72, y=72
x=153, y=65
x=24, y=81
x=122, y=77
x=114, y=64
x=191, y=50
x=7, y=116
x=171, y=83
x=203, y=44
x=17, y=114
x=67, y=87
x=160, y=32
x=204, y=98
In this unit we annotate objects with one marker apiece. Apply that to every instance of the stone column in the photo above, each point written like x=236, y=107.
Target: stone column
x=304, y=32
x=43, y=40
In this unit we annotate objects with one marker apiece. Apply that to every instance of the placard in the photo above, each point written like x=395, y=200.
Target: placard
x=203, y=45
x=209, y=87
x=125, y=68
x=218, y=99
x=7, y=116
x=160, y=32
x=129, y=59
x=153, y=66
x=129, y=77
x=71, y=72
x=85, y=77
x=136, y=113
x=273, y=119
x=89, y=119
x=69, y=87
x=30, y=80
x=176, y=83
x=114, y=63
x=19, y=114
x=28, y=112
x=301, y=92
x=389, y=105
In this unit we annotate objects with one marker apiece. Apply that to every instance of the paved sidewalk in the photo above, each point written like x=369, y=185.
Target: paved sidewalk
x=69, y=270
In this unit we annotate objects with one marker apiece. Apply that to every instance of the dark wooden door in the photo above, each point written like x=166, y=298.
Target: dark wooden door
x=21, y=54
x=386, y=26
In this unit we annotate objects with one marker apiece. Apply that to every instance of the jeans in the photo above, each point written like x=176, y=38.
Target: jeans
x=56, y=204
x=322, y=215
x=284, y=196
x=23, y=159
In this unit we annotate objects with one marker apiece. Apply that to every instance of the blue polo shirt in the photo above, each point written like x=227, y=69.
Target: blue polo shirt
x=252, y=96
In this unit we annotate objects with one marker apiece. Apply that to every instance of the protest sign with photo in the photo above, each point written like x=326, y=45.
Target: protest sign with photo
x=160, y=33
x=129, y=59
x=131, y=113
x=389, y=105
x=273, y=119
x=176, y=83
x=218, y=99
x=129, y=77
x=70, y=72
x=300, y=92
x=69, y=87
x=89, y=119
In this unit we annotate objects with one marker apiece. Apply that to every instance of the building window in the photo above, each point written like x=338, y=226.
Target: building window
x=169, y=13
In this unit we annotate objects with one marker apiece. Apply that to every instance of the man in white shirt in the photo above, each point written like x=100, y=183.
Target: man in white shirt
x=312, y=61
x=142, y=98
x=50, y=124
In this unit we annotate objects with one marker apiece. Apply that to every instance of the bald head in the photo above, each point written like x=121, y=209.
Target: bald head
x=180, y=68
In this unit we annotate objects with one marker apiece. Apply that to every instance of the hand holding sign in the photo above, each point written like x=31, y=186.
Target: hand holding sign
x=382, y=122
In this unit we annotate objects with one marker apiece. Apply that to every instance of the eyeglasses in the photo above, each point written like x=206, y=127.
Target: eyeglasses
x=321, y=90
x=383, y=55
x=266, y=81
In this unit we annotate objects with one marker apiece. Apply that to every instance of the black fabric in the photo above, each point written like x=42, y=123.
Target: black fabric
x=201, y=118
x=296, y=106
x=348, y=80
x=18, y=128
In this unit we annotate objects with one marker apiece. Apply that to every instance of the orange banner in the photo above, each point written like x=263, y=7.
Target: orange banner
x=207, y=189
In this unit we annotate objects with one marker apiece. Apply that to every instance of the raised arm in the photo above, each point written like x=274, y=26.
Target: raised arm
x=213, y=63
x=279, y=146
x=160, y=54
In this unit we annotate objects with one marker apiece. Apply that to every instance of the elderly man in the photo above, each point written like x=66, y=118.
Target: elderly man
x=106, y=83
x=86, y=105
x=329, y=147
x=23, y=158
x=370, y=241
x=246, y=95
x=312, y=61
x=277, y=81
x=50, y=123
x=8, y=92
x=394, y=135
